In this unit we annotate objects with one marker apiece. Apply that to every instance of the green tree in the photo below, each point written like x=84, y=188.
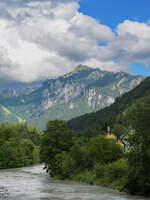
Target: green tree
x=101, y=151
x=11, y=154
x=139, y=156
x=16, y=146
x=118, y=129
x=55, y=140
x=84, y=156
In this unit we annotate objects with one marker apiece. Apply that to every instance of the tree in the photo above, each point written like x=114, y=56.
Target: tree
x=139, y=155
x=55, y=140
x=118, y=129
x=16, y=146
x=100, y=150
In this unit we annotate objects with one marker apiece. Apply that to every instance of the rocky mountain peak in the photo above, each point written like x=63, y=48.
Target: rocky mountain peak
x=81, y=67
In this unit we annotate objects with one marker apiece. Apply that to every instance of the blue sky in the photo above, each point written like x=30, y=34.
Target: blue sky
x=114, y=12
x=41, y=39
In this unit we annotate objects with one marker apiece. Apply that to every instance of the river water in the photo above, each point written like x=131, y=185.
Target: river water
x=32, y=183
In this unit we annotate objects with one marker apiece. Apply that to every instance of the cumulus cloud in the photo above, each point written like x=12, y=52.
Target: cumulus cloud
x=40, y=39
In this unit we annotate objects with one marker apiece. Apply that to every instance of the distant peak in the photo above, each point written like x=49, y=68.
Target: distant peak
x=77, y=69
x=80, y=67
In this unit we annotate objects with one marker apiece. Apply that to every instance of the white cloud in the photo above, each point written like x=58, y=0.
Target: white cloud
x=85, y=26
x=131, y=44
x=45, y=38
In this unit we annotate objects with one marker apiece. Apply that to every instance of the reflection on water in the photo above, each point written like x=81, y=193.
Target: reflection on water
x=32, y=183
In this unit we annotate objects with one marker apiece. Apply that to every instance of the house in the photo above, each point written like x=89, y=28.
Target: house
x=111, y=136
x=118, y=139
x=120, y=142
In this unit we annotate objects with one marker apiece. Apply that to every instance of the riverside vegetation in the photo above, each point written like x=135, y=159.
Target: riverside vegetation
x=19, y=145
x=86, y=155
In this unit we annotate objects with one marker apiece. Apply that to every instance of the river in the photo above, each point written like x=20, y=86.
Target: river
x=32, y=183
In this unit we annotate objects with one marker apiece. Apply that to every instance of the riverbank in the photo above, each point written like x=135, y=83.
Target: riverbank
x=111, y=175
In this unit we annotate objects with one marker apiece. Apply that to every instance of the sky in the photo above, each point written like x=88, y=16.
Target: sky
x=41, y=39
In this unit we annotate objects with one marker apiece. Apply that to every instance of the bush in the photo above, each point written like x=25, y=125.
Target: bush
x=88, y=176
x=113, y=174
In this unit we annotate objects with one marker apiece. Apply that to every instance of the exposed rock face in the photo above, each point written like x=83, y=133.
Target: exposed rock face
x=81, y=91
x=67, y=89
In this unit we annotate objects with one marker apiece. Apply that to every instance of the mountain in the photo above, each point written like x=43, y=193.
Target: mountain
x=115, y=111
x=83, y=90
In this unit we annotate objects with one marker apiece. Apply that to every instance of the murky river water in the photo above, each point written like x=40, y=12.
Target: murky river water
x=32, y=183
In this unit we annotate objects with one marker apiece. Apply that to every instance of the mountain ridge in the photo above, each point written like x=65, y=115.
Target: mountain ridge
x=81, y=91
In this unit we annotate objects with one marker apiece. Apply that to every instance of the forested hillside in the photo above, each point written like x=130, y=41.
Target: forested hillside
x=97, y=119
